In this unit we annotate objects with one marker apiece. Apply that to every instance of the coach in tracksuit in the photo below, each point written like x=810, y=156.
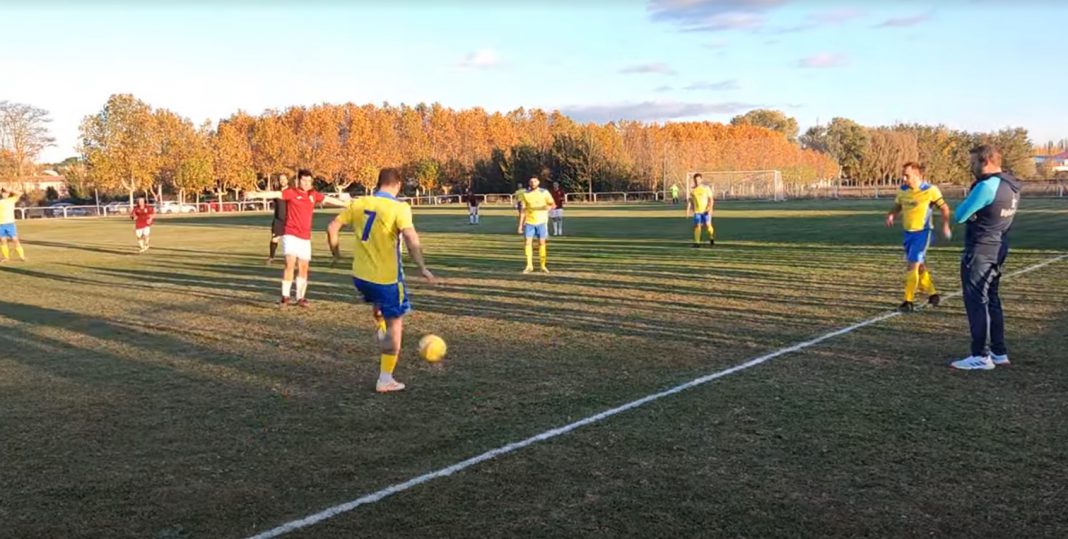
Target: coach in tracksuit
x=988, y=211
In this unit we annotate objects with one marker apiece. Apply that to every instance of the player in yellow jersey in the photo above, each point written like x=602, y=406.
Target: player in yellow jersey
x=379, y=221
x=700, y=206
x=533, y=223
x=914, y=202
x=518, y=197
x=8, y=230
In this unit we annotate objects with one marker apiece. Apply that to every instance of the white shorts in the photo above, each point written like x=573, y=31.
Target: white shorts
x=472, y=210
x=143, y=232
x=556, y=213
x=298, y=247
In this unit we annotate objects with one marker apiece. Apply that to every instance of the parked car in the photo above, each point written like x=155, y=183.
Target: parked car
x=222, y=206
x=66, y=209
x=174, y=207
x=117, y=208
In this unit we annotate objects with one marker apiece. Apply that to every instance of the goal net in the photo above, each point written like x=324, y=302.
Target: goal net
x=741, y=184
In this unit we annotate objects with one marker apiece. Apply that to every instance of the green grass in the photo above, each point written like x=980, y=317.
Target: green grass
x=162, y=395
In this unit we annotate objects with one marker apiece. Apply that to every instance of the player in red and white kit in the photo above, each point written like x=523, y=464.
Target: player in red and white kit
x=142, y=215
x=296, y=237
x=556, y=215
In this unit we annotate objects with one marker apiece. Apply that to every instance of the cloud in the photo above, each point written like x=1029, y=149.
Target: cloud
x=648, y=69
x=821, y=18
x=715, y=86
x=650, y=111
x=823, y=60
x=716, y=44
x=481, y=59
x=664, y=88
x=903, y=22
x=712, y=15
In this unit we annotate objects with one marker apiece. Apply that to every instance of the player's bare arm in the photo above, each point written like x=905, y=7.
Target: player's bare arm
x=415, y=249
x=333, y=235
x=892, y=214
x=947, y=232
x=334, y=202
x=522, y=218
x=265, y=195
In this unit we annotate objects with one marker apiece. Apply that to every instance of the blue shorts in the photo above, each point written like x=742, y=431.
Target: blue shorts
x=701, y=219
x=7, y=230
x=916, y=244
x=536, y=231
x=391, y=299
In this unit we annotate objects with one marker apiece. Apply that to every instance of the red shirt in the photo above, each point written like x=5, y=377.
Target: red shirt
x=558, y=197
x=299, y=208
x=143, y=216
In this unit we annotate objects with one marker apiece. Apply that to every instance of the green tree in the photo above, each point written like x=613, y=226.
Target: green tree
x=774, y=120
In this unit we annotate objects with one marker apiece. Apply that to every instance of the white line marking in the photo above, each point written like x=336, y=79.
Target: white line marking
x=336, y=510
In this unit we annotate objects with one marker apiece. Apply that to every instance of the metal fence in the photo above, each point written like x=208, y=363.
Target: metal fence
x=1030, y=189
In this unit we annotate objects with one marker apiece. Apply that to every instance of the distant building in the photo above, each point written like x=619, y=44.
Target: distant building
x=38, y=183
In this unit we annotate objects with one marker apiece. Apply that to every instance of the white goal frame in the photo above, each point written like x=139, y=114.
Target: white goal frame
x=743, y=184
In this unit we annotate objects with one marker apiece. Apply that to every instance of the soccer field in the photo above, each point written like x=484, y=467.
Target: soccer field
x=164, y=395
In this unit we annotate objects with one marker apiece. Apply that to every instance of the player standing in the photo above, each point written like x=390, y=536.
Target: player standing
x=674, y=193
x=278, y=223
x=296, y=238
x=700, y=206
x=535, y=204
x=914, y=202
x=556, y=215
x=8, y=230
x=379, y=221
x=472, y=206
x=143, y=216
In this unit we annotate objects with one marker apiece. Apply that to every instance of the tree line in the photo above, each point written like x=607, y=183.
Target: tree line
x=129, y=146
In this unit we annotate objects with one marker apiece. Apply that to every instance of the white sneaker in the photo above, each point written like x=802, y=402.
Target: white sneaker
x=973, y=363
x=1000, y=361
x=388, y=386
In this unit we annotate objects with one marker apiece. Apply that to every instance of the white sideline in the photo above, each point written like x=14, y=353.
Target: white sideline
x=331, y=512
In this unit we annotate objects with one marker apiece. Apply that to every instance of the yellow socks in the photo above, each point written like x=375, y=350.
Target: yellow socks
x=543, y=254
x=529, y=251
x=22, y=254
x=912, y=281
x=926, y=283
x=387, y=363
x=697, y=234
x=711, y=231
x=4, y=251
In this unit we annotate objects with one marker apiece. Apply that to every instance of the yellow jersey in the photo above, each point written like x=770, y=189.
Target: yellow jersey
x=536, y=205
x=916, y=206
x=7, y=209
x=377, y=222
x=700, y=197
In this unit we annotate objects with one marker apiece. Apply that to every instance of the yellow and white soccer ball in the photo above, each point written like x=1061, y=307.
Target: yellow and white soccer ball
x=432, y=348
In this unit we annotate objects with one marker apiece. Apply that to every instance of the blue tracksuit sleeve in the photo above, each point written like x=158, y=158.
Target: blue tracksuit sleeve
x=980, y=197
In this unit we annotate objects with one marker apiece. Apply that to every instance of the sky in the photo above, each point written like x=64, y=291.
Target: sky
x=968, y=64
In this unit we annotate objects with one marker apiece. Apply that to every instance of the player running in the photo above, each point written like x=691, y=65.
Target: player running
x=143, y=216
x=556, y=215
x=379, y=221
x=296, y=237
x=535, y=204
x=700, y=206
x=914, y=202
x=8, y=230
x=278, y=223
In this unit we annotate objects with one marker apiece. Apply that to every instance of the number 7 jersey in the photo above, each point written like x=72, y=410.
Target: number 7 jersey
x=377, y=222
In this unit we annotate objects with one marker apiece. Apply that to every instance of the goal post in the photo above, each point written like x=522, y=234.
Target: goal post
x=741, y=184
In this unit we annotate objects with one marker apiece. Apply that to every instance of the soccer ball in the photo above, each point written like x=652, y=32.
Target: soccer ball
x=432, y=348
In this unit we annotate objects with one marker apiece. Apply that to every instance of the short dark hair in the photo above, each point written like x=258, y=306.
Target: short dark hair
x=987, y=153
x=389, y=176
x=913, y=165
x=305, y=172
x=698, y=175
